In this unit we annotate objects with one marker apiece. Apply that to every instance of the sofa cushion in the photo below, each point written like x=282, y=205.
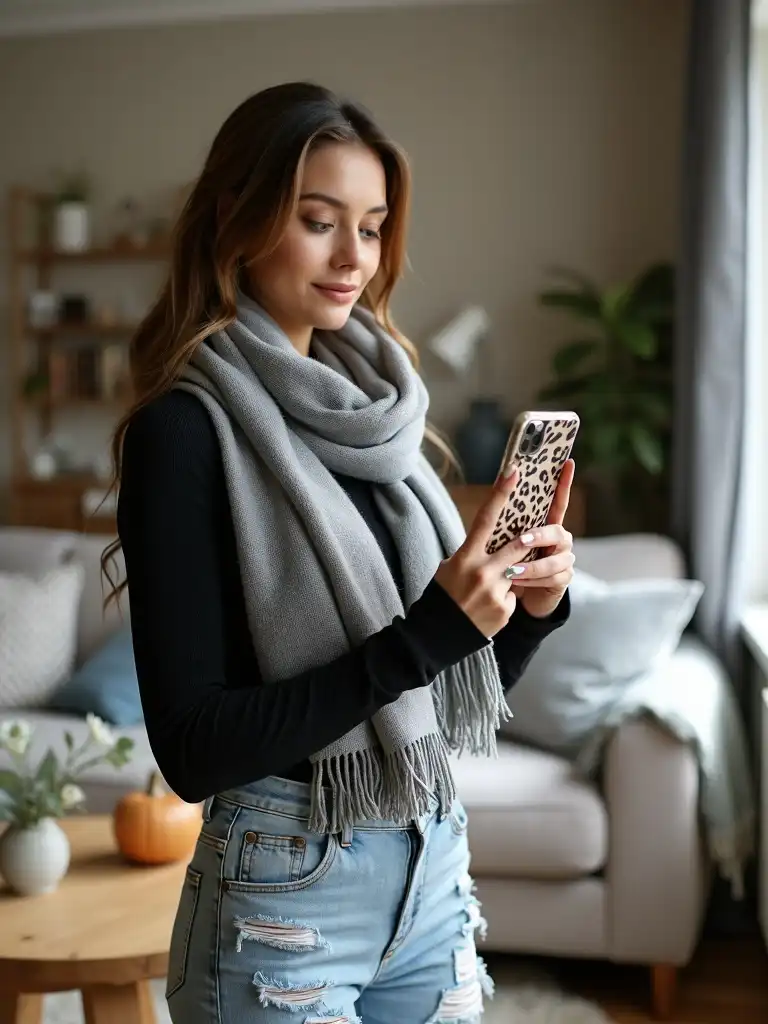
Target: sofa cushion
x=38, y=633
x=529, y=816
x=97, y=622
x=106, y=684
x=34, y=550
x=617, y=633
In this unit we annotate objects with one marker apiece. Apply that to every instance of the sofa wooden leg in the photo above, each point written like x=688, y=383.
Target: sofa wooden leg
x=664, y=986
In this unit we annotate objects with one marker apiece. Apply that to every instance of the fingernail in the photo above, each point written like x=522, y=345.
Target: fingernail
x=527, y=538
x=517, y=570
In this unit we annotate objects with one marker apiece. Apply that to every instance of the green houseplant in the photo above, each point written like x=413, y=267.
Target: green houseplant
x=34, y=851
x=616, y=372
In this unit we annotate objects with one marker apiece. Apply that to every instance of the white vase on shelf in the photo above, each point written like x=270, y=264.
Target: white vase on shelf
x=71, y=227
x=34, y=859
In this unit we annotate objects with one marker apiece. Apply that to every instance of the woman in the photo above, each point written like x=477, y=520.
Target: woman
x=311, y=630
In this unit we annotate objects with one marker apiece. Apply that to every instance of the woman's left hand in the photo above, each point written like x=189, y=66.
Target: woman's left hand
x=542, y=583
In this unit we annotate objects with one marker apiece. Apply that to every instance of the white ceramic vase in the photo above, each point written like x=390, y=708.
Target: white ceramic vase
x=34, y=860
x=71, y=227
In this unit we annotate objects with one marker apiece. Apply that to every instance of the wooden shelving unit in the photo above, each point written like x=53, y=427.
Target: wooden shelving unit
x=56, y=503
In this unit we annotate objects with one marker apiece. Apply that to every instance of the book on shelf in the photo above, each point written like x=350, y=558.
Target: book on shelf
x=96, y=372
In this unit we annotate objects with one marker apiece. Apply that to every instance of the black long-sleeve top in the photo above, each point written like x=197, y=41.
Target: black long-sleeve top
x=212, y=722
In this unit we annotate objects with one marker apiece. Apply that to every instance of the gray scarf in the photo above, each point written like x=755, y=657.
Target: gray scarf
x=316, y=582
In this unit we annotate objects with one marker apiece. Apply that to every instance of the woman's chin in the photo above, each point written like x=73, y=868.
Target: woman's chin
x=332, y=319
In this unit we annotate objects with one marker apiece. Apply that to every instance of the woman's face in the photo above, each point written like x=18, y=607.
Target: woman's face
x=331, y=247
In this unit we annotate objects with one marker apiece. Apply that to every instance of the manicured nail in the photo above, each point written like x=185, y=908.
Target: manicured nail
x=515, y=570
x=527, y=538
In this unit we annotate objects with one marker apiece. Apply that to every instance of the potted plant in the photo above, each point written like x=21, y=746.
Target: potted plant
x=71, y=220
x=616, y=372
x=34, y=850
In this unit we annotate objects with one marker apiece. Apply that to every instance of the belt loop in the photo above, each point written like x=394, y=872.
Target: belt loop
x=346, y=835
x=208, y=808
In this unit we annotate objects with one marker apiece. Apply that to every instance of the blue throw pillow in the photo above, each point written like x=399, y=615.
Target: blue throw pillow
x=105, y=684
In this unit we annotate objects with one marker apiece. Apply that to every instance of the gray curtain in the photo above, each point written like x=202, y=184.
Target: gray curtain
x=711, y=351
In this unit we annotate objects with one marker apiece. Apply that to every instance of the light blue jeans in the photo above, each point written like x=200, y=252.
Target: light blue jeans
x=279, y=925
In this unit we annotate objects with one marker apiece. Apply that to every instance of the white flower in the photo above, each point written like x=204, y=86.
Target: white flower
x=100, y=731
x=15, y=735
x=71, y=796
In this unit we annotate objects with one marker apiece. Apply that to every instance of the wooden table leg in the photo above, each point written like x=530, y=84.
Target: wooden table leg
x=21, y=1008
x=118, y=1004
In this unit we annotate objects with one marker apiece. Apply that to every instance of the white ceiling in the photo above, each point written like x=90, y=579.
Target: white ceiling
x=41, y=17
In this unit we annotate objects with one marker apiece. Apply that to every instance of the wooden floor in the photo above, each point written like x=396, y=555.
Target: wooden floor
x=727, y=983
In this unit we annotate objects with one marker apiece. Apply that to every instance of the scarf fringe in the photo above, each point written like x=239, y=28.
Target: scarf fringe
x=415, y=775
x=355, y=783
x=470, y=703
x=362, y=788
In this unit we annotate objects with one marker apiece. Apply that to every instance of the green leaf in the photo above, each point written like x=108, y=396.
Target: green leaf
x=48, y=771
x=11, y=783
x=70, y=741
x=613, y=302
x=654, y=407
x=570, y=356
x=586, y=306
x=647, y=447
x=638, y=338
x=606, y=443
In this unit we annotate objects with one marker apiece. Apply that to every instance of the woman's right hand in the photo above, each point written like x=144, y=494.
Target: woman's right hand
x=473, y=578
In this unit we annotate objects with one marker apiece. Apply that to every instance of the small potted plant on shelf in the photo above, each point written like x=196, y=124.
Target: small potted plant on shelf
x=617, y=374
x=34, y=849
x=71, y=214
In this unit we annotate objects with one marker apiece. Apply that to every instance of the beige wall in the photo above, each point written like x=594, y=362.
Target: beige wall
x=542, y=132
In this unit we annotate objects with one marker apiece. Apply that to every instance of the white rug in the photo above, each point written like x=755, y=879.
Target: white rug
x=517, y=1001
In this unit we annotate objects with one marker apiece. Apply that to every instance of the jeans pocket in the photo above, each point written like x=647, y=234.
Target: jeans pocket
x=272, y=858
x=458, y=818
x=182, y=930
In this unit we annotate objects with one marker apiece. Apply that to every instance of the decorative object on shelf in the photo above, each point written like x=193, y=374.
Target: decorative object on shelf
x=43, y=466
x=34, y=850
x=132, y=232
x=619, y=379
x=71, y=214
x=456, y=343
x=156, y=827
x=43, y=309
x=74, y=309
x=481, y=439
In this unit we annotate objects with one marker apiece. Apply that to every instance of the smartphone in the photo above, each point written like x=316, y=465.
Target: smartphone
x=539, y=444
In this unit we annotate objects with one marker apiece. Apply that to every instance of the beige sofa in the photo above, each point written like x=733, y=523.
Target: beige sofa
x=562, y=867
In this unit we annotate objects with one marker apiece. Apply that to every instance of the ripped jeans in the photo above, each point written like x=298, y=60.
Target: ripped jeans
x=279, y=925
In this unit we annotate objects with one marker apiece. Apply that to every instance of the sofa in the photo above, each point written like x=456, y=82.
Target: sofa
x=563, y=866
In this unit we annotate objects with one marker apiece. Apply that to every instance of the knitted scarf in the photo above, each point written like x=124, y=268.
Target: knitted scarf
x=316, y=583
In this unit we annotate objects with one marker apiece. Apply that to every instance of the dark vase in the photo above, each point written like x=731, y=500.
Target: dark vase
x=480, y=441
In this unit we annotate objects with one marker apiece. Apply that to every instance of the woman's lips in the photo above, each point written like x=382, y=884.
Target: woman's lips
x=343, y=294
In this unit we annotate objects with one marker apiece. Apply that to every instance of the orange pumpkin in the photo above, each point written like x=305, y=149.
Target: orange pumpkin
x=156, y=827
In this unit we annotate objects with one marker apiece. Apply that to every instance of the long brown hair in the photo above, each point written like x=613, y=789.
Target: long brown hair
x=243, y=199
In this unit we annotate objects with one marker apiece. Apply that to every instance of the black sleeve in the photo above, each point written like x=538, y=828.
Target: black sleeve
x=207, y=731
x=518, y=641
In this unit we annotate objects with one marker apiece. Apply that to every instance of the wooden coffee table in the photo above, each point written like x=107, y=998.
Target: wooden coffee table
x=105, y=931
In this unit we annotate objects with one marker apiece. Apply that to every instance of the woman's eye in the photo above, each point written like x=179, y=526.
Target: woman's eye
x=319, y=226
x=370, y=233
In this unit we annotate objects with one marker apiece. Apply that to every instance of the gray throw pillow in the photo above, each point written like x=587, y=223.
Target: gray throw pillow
x=616, y=633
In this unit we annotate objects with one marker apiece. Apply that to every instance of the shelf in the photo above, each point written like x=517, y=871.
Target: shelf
x=42, y=401
x=152, y=253
x=90, y=330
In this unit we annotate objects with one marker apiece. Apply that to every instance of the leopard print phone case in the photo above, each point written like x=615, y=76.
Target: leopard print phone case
x=531, y=500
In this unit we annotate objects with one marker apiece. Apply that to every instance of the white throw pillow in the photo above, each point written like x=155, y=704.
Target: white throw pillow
x=38, y=633
x=616, y=633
